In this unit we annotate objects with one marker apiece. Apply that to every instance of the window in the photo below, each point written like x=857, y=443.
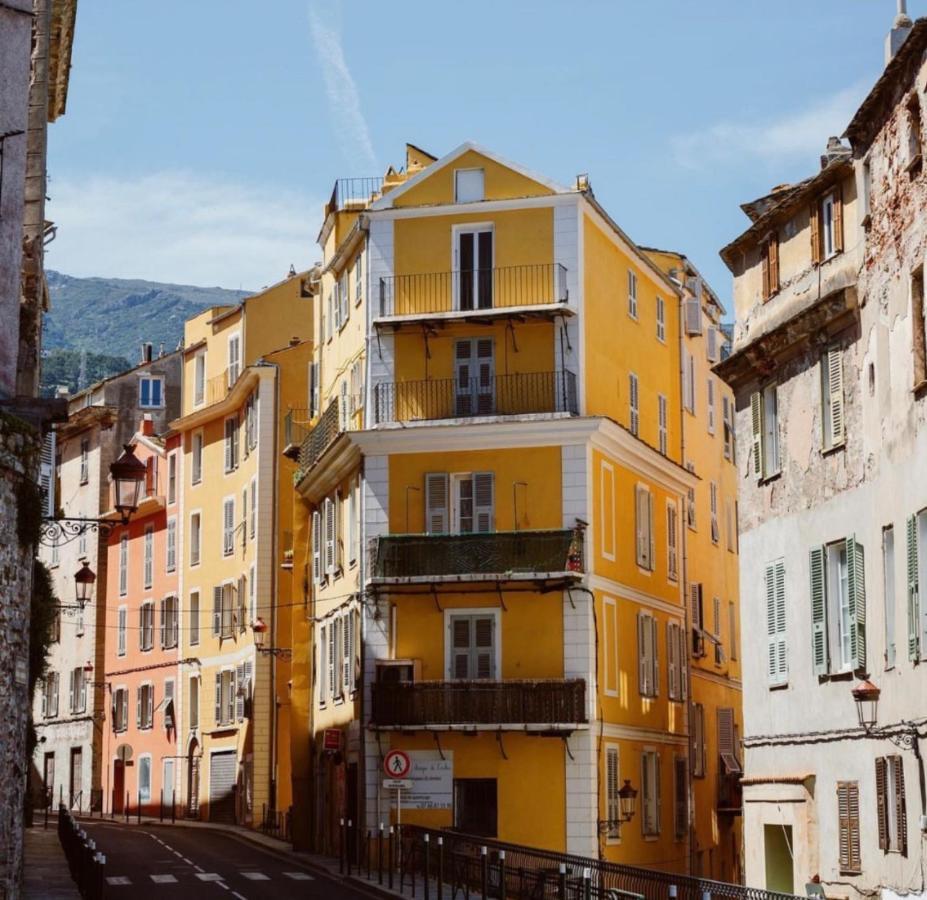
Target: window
x=84, y=460
x=194, y=539
x=241, y=592
x=732, y=628
x=769, y=255
x=223, y=611
x=472, y=647
x=650, y=790
x=919, y=327
x=172, y=478
x=680, y=798
x=827, y=227
x=344, y=417
x=716, y=630
x=199, y=378
x=472, y=502
x=79, y=627
x=777, y=670
x=344, y=300
x=122, y=618
x=612, y=800
x=196, y=454
x=252, y=525
x=730, y=525
x=662, y=443
x=144, y=777
x=633, y=405
x=610, y=646
x=888, y=591
x=328, y=508
x=838, y=611
x=225, y=697
x=698, y=619
x=678, y=678
x=358, y=278
x=690, y=501
x=171, y=563
x=243, y=690
x=316, y=544
x=169, y=622
x=632, y=294
x=469, y=185
x=644, y=526
x=890, y=805
x=713, y=506
x=315, y=389
x=727, y=415
x=688, y=381
x=50, y=696
x=123, y=564
x=711, y=405
x=146, y=626
x=151, y=476
x=661, y=320
x=727, y=741
x=348, y=626
x=77, y=698
x=914, y=134
x=231, y=443
x=698, y=740
x=150, y=392
x=234, y=365
x=228, y=526
x=832, y=419
x=848, y=827
x=648, y=681
x=168, y=704
x=120, y=709
x=194, y=617
x=252, y=593
x=352, y=525
x=672, y=537
x=144, y=706
x=764, y=416
x=476, y=806
x=244, y=516
x=148, y=567
x=324, y=666
x=357, y=386
x=194, y=711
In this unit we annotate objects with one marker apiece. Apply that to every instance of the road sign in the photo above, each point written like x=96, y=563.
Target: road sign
x=397, y=764
x=331, y=739
x=401, y=784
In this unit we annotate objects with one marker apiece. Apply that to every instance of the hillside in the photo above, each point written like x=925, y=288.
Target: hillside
x=114, y=316
x=77, y=369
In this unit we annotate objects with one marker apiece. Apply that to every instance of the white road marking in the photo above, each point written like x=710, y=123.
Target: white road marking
x=199, y=868
x=208, y=876
x=177, y=853
x=299, y=876
x=187, y=861
x=117, y=880
x=164, y=879
x=256, y=876
x=224, y=887
x=239, y=896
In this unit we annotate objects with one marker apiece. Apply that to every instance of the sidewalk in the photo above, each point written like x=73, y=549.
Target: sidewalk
x=47, y=876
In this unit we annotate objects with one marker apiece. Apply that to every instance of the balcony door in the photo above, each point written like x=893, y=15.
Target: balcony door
x=473, y=265
x=474, y=377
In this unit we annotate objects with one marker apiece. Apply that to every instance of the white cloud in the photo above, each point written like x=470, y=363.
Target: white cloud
x=180, y=227
x=802, y=134
x=343, y=99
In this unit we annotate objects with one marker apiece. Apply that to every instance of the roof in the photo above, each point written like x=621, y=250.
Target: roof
x=688, y=262
x=97, y=385
x=896, y=70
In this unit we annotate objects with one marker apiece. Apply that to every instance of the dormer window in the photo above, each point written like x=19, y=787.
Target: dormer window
x=469, y=185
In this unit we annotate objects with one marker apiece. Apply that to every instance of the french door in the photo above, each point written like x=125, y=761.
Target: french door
x=473, y=252
x=474, y=377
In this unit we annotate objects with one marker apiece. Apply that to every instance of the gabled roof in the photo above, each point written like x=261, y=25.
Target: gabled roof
x=386, y=201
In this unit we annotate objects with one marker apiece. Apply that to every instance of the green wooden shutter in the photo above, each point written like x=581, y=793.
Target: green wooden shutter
x=819, y=655
x=856, y=579
x=913, y=592
x=756, y=422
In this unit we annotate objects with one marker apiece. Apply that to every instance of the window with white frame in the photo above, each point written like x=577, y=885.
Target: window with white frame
x=77, y=695
x=459, y=502
x=832, y=418
x=170, y=715
x=711, y=404
x=199, y=378
x=252, y=523
x=171, y=561
x=122, y=618
x=469, y=185
x=764, y=417
x=315, y=389
x=644, y=526
x=196, y=458
x=50, y=696
x=234, y=359
x=828, y=237
x=195, y=539
x=148, y=563
x=358, y=278
x=677, y=675
x=348, y=627
x=231, y=443
x=223, y=610
x=891, y=805
x=123, y=564
x=777, y=671
x=352, y=526
x=648, y=681
x=172, y=479
x=252, y=593
x=662, y=419
x=194, y=617
x=84, y=460
x=151, y=392
x=688, y=381
x=612, y=798
x=146, y=626
x=650, y=793
x=323, y=665
x=632, y=294
x=225, y=697
x=170, y=611
x=241, y=596
x=472, y=646
x=672, y=539
x=634, y=418
x=344, y=299
x=713, y=506
x=144, y=775
x=316, y=546
x=244, y=515
x=144, y=705
x=228, y=526
x=838, y=613
x=661, y=320
x=193, y=712
x=120, y=709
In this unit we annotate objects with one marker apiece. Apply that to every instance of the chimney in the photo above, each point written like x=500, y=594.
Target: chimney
x=901, y=28
x=161, y=350
x=147, y=425
x=148, y=353
x=835, y=151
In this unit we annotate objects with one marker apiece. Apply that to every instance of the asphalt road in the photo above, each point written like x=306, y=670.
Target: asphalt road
x=160, y=861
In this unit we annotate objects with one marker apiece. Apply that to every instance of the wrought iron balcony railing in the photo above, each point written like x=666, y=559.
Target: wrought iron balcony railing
x=295, y=427
x=473, y=290
x=555, y=701
x=498, y=395
x=499, y=553
x=319, y=437
x=354, y=193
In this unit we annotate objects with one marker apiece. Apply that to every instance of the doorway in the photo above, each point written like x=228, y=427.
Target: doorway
x=167, y=783
x=74, y=788
x=777, y=840
x=119, y=786
x=350, y=803
x=473, y=251
x=48, y=779
x=474, y=377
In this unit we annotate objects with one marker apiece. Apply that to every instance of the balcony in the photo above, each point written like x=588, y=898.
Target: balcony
x=474, y=293
x=353, y=193
x=295, y=430
x=453, y=398
x=555, y=702
x=320, y=437
x=494, y=556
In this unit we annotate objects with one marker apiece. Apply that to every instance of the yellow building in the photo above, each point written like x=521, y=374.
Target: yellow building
x=244, y=367
x=493, y=490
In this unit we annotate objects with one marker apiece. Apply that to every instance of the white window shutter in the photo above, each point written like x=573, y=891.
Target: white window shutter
x=329, y=537
x=756, y=424
x=163, y=624
x=642, y=656
x=323, y=663
x=217, y=610
x=834, y=360
x=683, y=660
x=347, y=653
x=239, y=692
x=436, y=502
x=316, y=547
x=654, y=658
x=672, y=649
x=332, y=653
x=651, y=549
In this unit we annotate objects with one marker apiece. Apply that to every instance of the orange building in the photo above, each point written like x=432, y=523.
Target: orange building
x=141, y=764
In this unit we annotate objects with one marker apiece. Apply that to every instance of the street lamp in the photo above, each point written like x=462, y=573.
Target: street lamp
x=866, y=695
x=84, y=581
x=259, y=628
x=127, y=474
x=627, y=806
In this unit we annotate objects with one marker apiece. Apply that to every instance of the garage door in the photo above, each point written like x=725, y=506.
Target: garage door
x=222, y=769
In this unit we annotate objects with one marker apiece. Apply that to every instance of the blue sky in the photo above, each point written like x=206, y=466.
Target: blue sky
x=202, y=137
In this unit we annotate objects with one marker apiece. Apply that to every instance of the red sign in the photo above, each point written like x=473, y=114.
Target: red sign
x=331, y=739
x=397, y=764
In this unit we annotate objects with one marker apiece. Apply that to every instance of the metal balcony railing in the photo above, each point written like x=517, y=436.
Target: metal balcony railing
x=473, y=290
x=498, y=395
x=295, y=427
x=319, y=437
x=499, y=553
x=354, y=193
x=543, y=702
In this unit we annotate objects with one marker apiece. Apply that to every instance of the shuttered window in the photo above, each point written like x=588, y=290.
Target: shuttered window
x=727, y=416
x=777, y=654
x=651, y=801
x=764, y=423
x=171, y=562
x=436, y=503
x=888, y=592
x=315, y=390
x=662, y=425
x=234, y=357
x=339, y=531
x=698, y=740
x=123, y=565
x=148, y=566
x=648, y=664
x=252, y=526
x=711, y=404
x=194, y=617
x=169, y=623
x=634, y=418
x=693, y=315
x=144, y=706
x=832, y=404
x=323, y=665
x=632, y=294
x=770, y=265
x=890, y=805
x=332, y=666
x=122, y=621
x=231, y=443
x=347, y=652
x=328, y=509
x=676, y=661
x=916, y=529
x=228, y=526
x=199, y=378
x=727, y=744
x=696, y=611
x=612, y=800
x=661, y=319
x=472, y=503
x=316, y=539
x=644, y=526
x=196, y=455
x=713, y=506
x=195, y=539
x=680, y=798
x=848, y=827
x=672, y=539
x=146, y=626
x=473, y=647
x=838, y=607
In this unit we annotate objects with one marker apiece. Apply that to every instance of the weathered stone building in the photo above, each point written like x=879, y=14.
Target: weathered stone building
x=829, y=374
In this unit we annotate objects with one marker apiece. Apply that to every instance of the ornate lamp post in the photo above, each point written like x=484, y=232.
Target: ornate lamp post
x=627, y=806
x=84, y=581
x=259, y=628
x=866, y=695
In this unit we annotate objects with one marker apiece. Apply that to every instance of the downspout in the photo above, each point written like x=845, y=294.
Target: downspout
x=361, y=814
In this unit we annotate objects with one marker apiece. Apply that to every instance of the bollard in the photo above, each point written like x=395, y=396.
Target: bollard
x=502, y=881
x=484, y=874
x=390, y=857
x=347, y=848
x=426, y=865
x=440, y=867
x=561, y=882
x=706, y=895
x=673, y=890
x=587, y=884
x=380, y=855
x=341, y=848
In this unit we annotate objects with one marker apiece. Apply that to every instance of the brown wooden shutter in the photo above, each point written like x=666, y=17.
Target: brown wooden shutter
x=815, y=221
x=848, y=825
x=901, y=818
x=764, y=254
x=773, y=264
x=881, y=806
x=838, y=218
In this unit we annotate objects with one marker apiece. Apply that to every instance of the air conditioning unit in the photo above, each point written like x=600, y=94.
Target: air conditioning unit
x=399, y=671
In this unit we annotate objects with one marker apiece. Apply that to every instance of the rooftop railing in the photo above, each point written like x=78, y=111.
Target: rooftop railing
x=354, y=193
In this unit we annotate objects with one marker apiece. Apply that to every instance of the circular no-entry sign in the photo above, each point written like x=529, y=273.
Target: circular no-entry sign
x=397, y=764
